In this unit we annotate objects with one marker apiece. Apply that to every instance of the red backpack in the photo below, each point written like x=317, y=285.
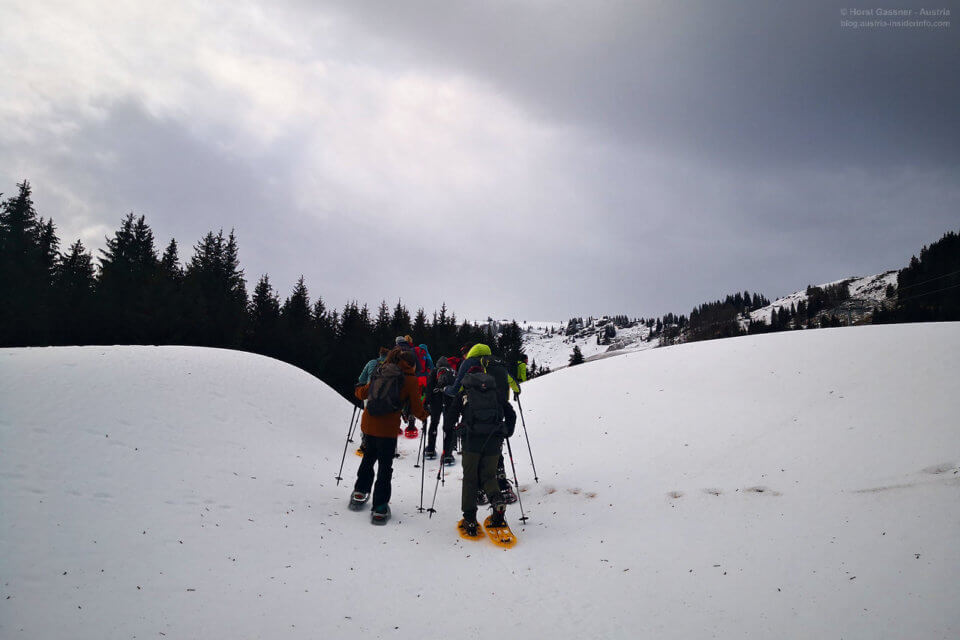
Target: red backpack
x=421, y=360
x=454, y=362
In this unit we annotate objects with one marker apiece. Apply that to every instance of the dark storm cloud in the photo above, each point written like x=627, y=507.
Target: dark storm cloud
x=743, y=82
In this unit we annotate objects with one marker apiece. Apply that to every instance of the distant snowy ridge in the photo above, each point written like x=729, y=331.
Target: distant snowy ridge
x=546, y=344
x=865, y=294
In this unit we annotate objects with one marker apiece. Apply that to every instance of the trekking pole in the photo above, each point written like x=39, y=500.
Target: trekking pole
x=345, y=444
x=525, y=435
x=423, y=470
x=420, y=450
x=353, y=428
x=523, y=516
x=436, y=486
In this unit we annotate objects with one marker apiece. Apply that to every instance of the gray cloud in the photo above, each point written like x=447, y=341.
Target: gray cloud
x=743, y=82
x=534, y=160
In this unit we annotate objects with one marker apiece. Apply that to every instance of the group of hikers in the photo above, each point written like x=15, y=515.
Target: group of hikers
x=470, y=392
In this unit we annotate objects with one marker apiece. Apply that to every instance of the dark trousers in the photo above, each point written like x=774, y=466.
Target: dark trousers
x=473, y=443
x=438, y=405
x=451, y=414
x=380, y=451
x=509, y=423
x=479, y=459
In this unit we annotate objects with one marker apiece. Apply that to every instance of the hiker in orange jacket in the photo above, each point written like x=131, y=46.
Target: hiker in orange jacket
x=381, y=436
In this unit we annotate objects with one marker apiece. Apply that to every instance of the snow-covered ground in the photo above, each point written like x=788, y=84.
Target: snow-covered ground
x=793, y=485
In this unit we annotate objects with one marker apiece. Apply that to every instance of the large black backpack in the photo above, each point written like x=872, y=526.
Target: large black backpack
x=444, y=377
x=383, y=396
x=498, y=369
x=486, y=393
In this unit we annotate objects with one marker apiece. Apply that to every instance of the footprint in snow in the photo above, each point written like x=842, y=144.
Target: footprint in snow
x=713, y=492
x=762, y=489
x=943, y=467
x=675, y=494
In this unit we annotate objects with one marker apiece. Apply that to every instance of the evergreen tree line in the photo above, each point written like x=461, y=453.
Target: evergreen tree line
x=928, y=289
x=136, y=295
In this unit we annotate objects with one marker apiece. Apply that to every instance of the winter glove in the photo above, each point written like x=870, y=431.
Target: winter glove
x=450, y=391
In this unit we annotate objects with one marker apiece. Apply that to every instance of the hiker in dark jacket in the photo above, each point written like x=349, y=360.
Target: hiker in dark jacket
x=482, y=444
x=409, y=421
x=438, y=402
x=381, y=432
x=471, y=360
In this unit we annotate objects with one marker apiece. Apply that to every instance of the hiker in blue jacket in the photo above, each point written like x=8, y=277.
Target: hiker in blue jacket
x=364, y=378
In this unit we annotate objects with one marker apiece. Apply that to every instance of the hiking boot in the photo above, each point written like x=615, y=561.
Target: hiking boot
x=380, y=514
x=358, y=499
x=448, y=459
x=470, y=527
x=430, y=454
x=482, y=498
x=497, y=519
x=508, y=494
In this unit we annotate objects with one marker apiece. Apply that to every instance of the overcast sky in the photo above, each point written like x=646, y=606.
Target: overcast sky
x=533, y=160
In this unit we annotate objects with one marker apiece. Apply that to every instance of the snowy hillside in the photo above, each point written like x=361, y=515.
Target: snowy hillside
x=865, y=294
x=793, y=485
x=547, y=346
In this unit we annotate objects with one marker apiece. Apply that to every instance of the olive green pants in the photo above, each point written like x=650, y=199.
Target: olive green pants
x=480, y=470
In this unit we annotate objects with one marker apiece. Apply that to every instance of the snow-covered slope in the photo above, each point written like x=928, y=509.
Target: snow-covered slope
x=865, y=293
x=546, y=345
x=801, y=484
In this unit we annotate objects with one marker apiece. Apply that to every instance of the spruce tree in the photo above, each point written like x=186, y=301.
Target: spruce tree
x=168, y=297
x=510, y=344
x=27, y=259
x=325, y=332
x=74, y=285
x=419, y=328
x=215, y=293
x=352, y=349
x=382, y=332
x=297, y=328
x=576, y=357
x=126, y=289
x=263, y=327
x=400, y=323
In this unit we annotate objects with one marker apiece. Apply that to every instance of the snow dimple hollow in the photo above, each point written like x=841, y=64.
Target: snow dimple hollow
x=944, y=467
